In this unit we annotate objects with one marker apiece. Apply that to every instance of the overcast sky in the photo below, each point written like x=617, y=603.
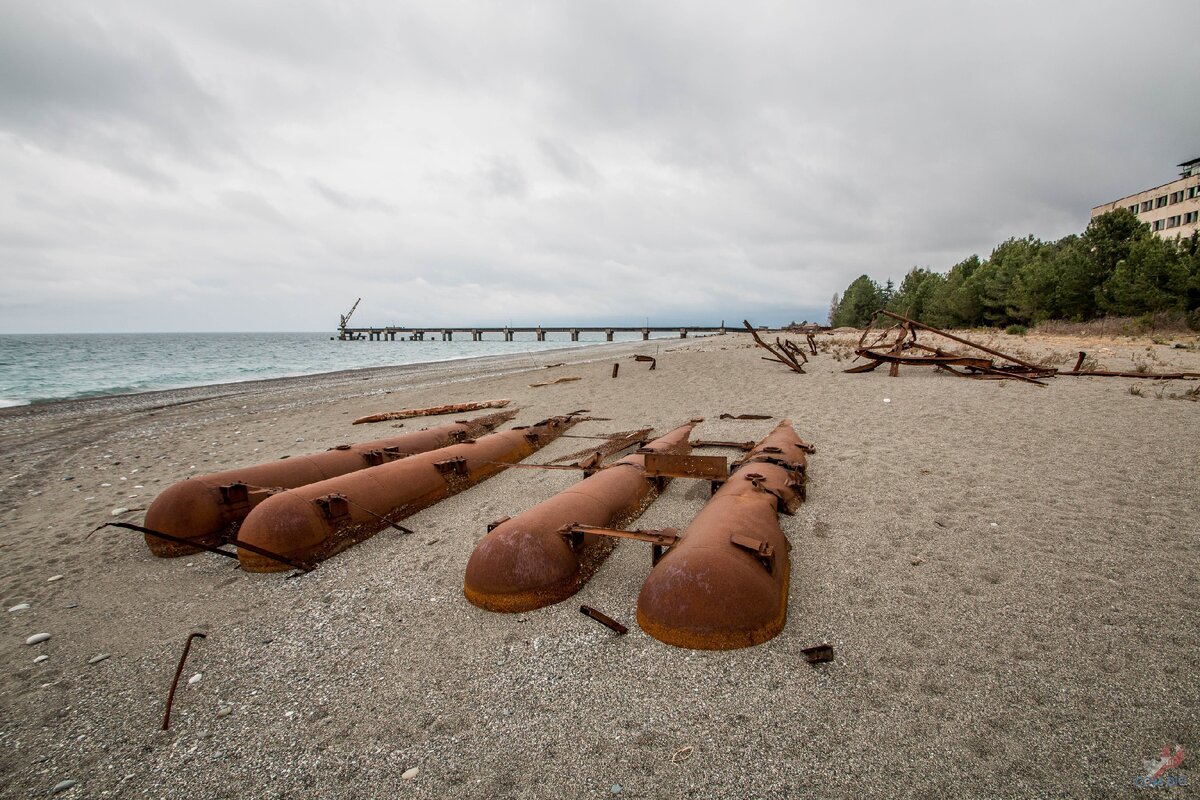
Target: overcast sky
x=180, y=166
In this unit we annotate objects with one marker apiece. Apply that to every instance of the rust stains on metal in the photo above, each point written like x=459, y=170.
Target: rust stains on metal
x=208, y=509
x=785, y=351
x=526, y=563
x=724, y=585
x=432, y=411
x=897, y=345
x=717, y=443
x=603, y=619
x=187, y=648
x=317, y=521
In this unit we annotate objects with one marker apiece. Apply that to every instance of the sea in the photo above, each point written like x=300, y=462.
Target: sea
x=37, y=368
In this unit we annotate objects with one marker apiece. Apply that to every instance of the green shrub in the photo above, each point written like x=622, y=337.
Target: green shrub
x=1016, y=330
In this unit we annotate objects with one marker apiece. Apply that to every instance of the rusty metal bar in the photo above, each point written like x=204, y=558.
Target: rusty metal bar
x=717, y=443
x=616, y=368
x=603, y=619
x=745, y=416
x=666, y=537
x=187, y=648
x=309, y=523
x=781, y=354
x=525, y=562
x=653, y=361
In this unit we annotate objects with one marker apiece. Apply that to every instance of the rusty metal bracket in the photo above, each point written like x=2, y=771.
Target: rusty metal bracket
x=333, y=506
x=660, y=539
x=233, y=494
x=496, y=523
x=761, y=550
x=455, y=466
x=386, y=454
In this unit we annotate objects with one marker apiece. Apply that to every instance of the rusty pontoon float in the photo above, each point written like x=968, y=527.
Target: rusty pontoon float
x=314, y=522
x=527, y=562
x=208, y=509
x=724, y=584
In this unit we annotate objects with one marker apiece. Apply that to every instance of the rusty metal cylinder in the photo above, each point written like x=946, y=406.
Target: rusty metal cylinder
x=314, y=522
x=209, y=508
x=525, y=563
x=725, y=584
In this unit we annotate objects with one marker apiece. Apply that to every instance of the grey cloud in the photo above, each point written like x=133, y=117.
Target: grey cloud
x=349, y=202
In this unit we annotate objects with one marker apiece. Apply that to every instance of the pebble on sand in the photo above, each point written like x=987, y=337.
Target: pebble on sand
x=96, y=659
x=224, y=711
x=37, y=638
x=41, y=658
x=409, y=774
x=116, y=512
x=53, y=578
x=195, y=678
x=62, y=786
x=19, y=607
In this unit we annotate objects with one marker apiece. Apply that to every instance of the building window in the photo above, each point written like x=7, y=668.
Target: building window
x=1173, y=222
x=1190, y=217
x=1146, y=206
x=1160, y=202
x=1133, y=208
x=1158, y=225
x=1176, y=197
x=1193, y=191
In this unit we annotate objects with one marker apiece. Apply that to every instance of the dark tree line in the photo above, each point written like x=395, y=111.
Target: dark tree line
x=1116, y=267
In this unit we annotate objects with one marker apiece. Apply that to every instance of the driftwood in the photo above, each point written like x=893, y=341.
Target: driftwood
x=564, y=379
x=785, y=352
x=432, y=411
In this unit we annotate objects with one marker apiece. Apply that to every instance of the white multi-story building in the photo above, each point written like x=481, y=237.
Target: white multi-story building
x=1171, y=209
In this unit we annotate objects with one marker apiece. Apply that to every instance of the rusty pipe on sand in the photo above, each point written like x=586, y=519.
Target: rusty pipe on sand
x=210, y=508
x=319, y=520
x=525, y=562
x=725, y=584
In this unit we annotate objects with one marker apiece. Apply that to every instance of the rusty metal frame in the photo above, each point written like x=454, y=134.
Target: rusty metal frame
x=660, y=539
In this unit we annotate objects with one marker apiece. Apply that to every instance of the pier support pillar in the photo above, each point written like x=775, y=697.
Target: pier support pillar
x=508, y=335
x=683, y=333
x=541, y=335
x=447, y=336
x=645, y=334
x=476, y=336
x=608, y=334
x=574, y=334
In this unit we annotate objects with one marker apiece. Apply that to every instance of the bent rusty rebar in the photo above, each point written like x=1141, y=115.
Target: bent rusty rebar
x=187, y=648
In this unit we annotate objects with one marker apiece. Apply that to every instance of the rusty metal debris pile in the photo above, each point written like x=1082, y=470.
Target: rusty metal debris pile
x=897, y=345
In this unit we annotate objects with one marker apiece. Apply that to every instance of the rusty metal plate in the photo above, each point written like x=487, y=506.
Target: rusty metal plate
x=669, y=465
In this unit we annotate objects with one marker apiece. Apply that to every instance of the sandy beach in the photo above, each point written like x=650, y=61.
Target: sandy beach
x=1007, y=574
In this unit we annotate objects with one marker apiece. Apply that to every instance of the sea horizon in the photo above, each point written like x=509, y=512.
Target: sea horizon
x=48, y=367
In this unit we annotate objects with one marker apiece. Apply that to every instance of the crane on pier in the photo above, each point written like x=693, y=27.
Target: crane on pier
x=346, y=317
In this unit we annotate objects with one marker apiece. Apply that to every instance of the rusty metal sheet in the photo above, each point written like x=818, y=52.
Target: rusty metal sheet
x=209, y=508
x=317, y=521
x=525, y=563
x=679, y=465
